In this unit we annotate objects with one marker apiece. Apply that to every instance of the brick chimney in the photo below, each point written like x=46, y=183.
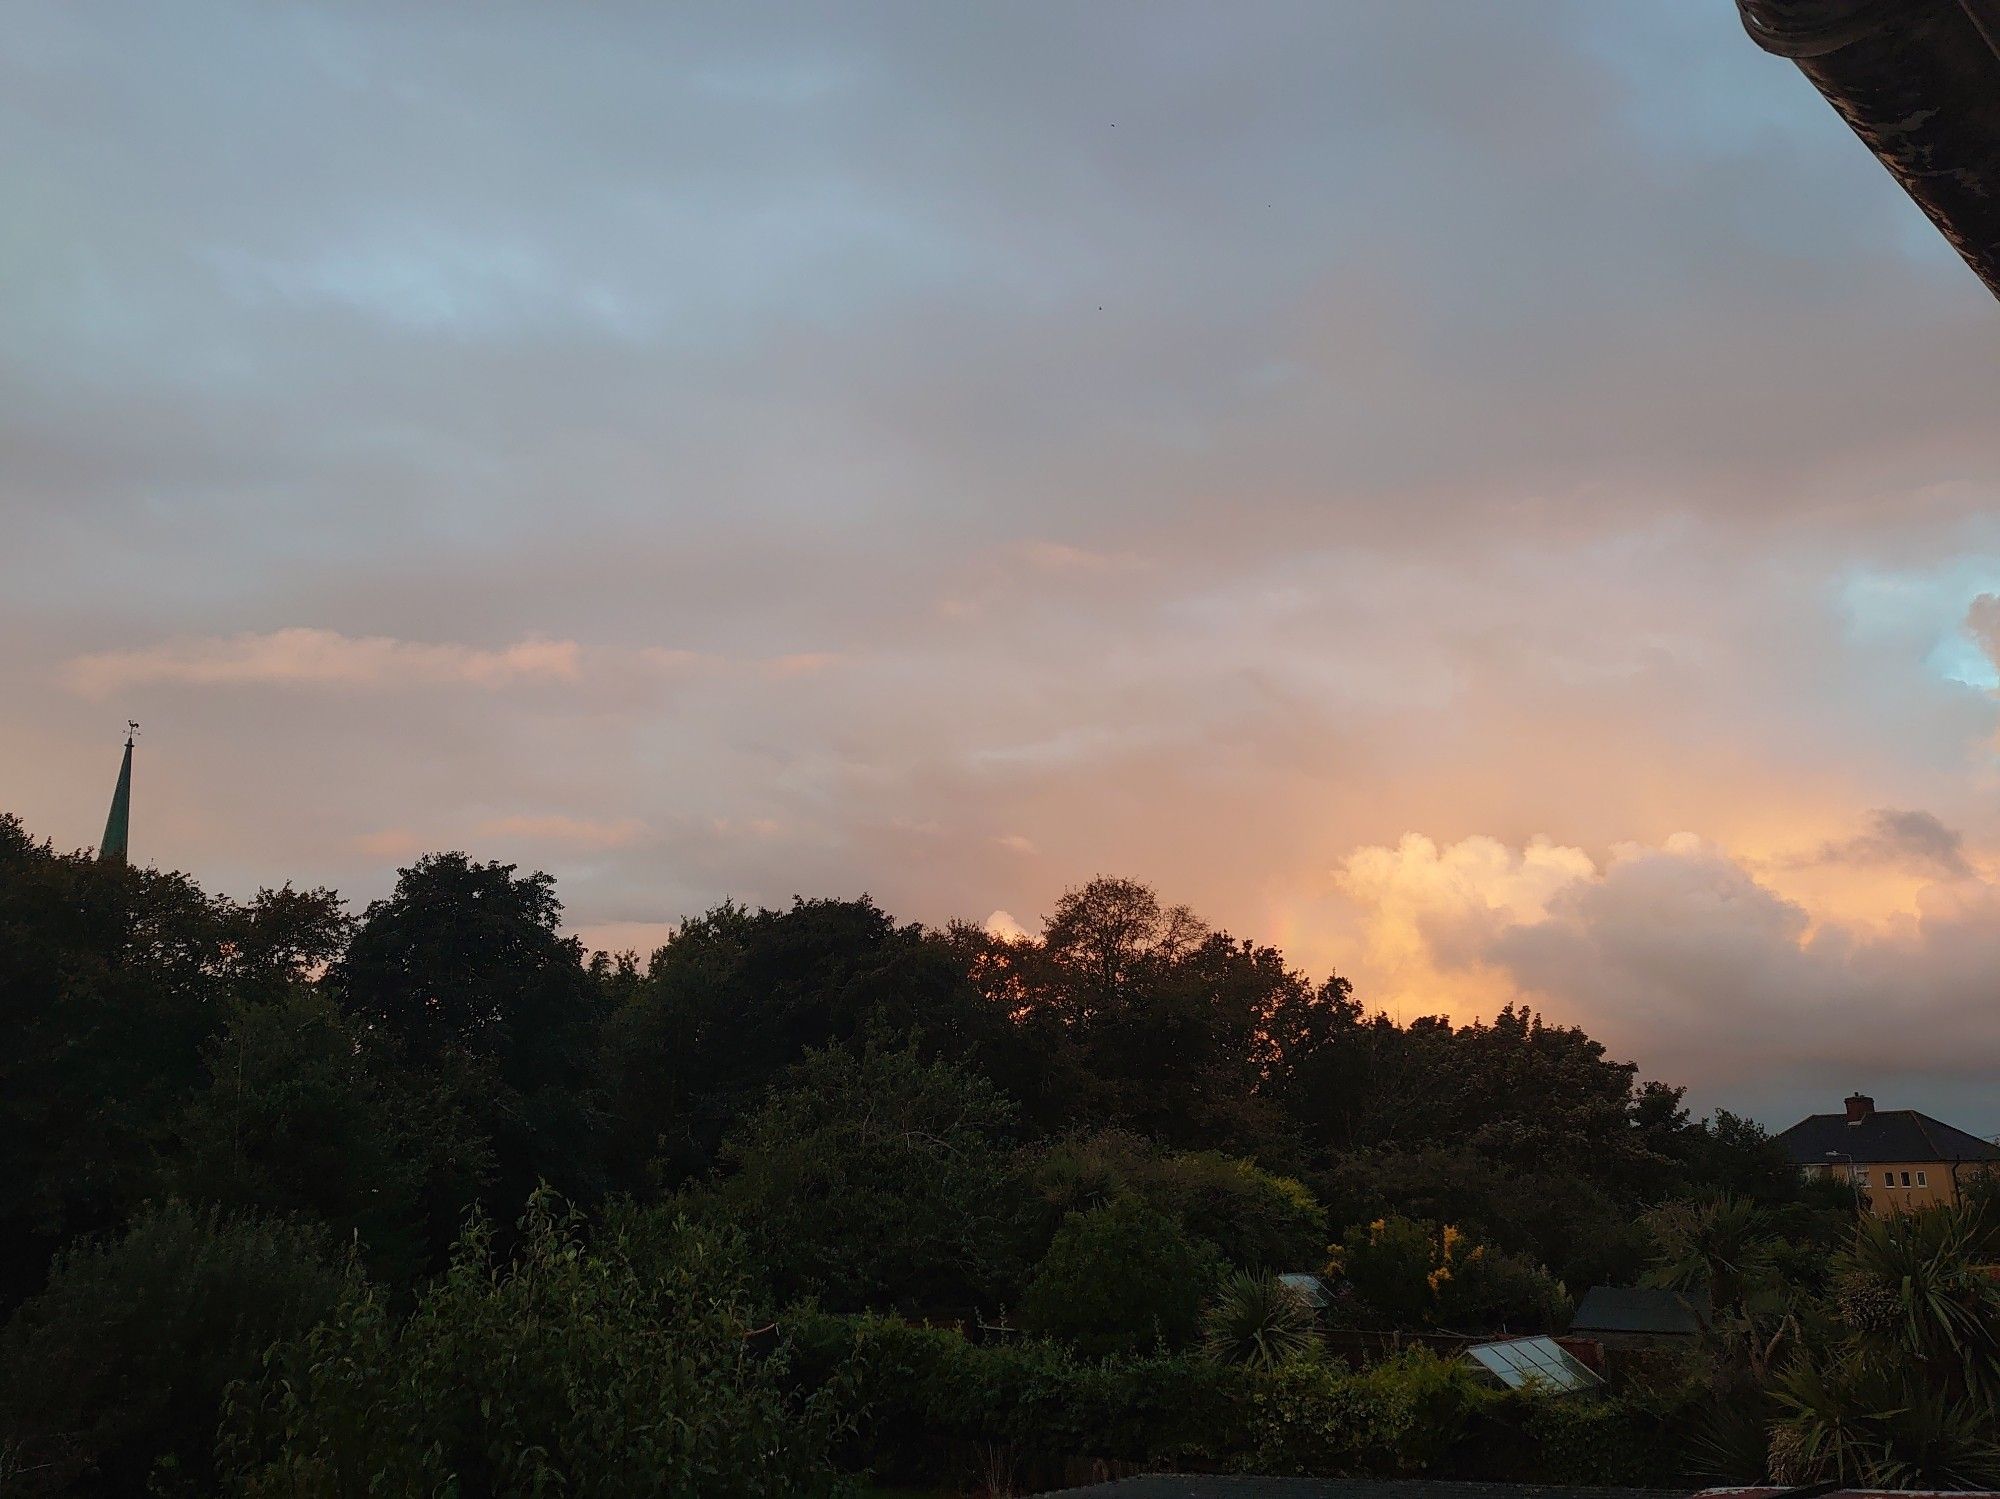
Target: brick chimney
x=1859, y=1107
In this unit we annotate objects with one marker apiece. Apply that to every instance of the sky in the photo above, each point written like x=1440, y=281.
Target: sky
x=1495, y=499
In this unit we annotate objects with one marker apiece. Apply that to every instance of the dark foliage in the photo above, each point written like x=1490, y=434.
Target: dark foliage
x=1064, y=1142
x=116, y=1371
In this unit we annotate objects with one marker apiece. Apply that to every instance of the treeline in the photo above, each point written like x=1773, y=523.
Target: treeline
x=264, y=1167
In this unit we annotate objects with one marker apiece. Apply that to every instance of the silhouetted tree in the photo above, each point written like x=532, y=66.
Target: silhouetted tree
x=462, y=978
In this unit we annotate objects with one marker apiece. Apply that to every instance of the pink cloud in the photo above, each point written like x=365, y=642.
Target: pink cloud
x=300, y=657
x=803, y=663
x=390, y=843
x=582, y=832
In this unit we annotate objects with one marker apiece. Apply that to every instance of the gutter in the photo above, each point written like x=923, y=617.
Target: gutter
x=1919, y=82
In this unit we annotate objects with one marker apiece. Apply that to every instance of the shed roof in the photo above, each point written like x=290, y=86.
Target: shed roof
x=1635, y=1309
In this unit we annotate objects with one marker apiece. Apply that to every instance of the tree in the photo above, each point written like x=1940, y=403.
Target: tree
x=112, y=980
x=563, y=1369
x=1120, y=1279
x=115, y=1372
x=297, y=1117
x=876, y=1179
x=736, y=997
x=462, y=979
x=1255, y=1219
x=1161, y=1026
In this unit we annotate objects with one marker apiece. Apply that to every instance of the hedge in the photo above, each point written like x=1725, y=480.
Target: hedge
x=928, y=1404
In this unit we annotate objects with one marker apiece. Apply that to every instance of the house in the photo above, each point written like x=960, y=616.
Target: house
x=1901, y=1158
x=1636, y=1317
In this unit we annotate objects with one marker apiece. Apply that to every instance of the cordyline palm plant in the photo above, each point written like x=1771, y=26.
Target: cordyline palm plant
x=1258, y=1321
x=1906, y=1392
x=1915, y=1286
x=1719, y=1248
x=1856, y=1420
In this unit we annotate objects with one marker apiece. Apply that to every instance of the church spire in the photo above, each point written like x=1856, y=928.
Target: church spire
x=118, y=826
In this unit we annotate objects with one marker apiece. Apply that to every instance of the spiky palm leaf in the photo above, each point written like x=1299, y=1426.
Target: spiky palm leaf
x=1913, y=1287
x=1258, y=1321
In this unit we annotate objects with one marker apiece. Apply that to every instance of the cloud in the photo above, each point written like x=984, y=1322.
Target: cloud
x=800, y=664
x=642, y=937
x=1678, y=954
x=1132, y=467
x=390, y=843
x=1001, y=924
x=581, y=832
x=1060, y=557
x=1015, y=843
x=1902, y=838
x=690, y=664
x=302, y=657
x=1982, y=622
x=1429, y=905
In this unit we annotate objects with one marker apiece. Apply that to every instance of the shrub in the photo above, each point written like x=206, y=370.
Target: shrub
x=119, y=1366
x=925, y=1405
x=1415, y=1274
x=1490, y=1288
x=1120, y=1279
x=563, y=1370
x=1320, y=1419
x=1256, y=1220
x=875, y=1180
x=1258, y=1321
x=1417, y=1414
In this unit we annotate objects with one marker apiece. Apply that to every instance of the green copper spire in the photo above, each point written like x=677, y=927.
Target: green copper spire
x=118, y=826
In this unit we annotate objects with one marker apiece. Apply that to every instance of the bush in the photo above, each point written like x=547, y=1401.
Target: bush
x=1120, y=1279
x=565, y=1370
x=1417, y=1414
x=119, y=1366
x=1415, y=1274
x=924, y=1405
x=1255, y=1220
x=1318, y=1419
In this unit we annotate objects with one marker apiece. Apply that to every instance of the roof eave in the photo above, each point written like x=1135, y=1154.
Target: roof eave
x=1919, y=82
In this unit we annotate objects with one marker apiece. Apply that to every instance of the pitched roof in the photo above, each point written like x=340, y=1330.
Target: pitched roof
x=1634, y=1309
x=1884, y=1135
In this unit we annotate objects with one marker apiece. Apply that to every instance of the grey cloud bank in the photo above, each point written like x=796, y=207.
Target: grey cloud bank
x=953, y=451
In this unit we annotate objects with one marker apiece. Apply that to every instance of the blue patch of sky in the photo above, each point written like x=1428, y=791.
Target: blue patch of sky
x=1924, y=612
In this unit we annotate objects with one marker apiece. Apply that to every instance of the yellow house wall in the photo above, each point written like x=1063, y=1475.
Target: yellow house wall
x=1887, y=1198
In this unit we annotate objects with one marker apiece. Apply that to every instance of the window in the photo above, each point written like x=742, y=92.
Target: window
x=1906, y=1178
x=1888, y=1178
x=1920, y=1180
